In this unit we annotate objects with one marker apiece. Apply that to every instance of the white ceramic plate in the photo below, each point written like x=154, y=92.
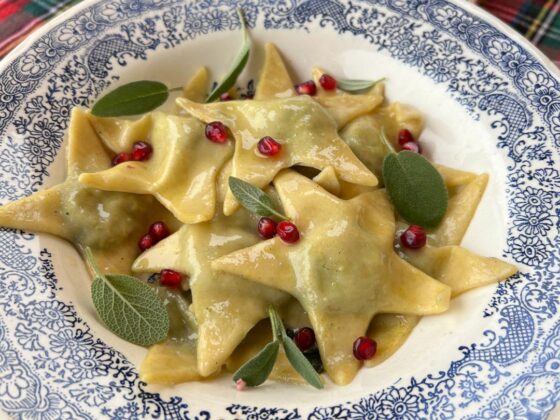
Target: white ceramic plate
x=492, y=104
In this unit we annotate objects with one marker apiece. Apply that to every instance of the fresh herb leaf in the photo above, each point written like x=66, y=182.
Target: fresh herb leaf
x=416, y=188
x=238, y=65
x=385, y=141
x=131, y=99
x=300, y=363
x=293, y=353
x=351, y=85
x=128, y=307
x=277, y=327
x=255, y=371
x=252, y=198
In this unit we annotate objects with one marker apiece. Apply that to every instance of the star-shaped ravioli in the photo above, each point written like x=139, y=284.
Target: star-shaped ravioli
x=110, y=223
x=275, y=82
x=346, y=107
x=443, y=259
x=174, y=360
x=343, y=270
x=363, y=134
x=181, y=173
x=226, y=306
x=306, y=132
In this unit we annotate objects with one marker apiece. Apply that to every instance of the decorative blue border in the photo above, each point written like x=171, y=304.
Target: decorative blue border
x=50, y=363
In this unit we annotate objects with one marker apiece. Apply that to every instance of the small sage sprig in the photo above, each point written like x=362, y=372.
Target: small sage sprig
x=146, y=95
x=238, y=65
x=352, y=85
x=128, y=307
x=132, y=99
x=414, y=185
x=257, y=369
x=252, y=198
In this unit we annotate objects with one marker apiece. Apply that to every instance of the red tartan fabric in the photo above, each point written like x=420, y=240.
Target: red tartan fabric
x=538, y=20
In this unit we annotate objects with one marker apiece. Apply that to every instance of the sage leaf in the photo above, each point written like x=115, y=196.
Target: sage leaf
x=278, y=330
x=385, y=141
x=257, y=369
x=131, y=99
x=239, y=63
x=351, y=85
x=296, y=358
x=416, y=188
x=129, y=307
x=300, y=362
x=252, y=198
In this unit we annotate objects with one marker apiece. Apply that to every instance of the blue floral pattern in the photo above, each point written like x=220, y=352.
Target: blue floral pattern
x=52, y=366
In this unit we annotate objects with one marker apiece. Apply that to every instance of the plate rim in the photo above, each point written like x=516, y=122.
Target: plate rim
x=484, y=16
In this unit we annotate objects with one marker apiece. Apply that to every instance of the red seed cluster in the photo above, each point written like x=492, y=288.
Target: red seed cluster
x=145, y=242
x=156, y=233
x=120, y=158
x=304, y=338
x=267, y=146
x=364, y=348
x=414, y=237
x=327, y=82
x=288, y=232
x=170, y=278
x=408, y=142
x=266, y=227
x=405, y=136
x=224, y=97
x=216, y=132
x=141, y=151
x=306, y=88
x=159, y=231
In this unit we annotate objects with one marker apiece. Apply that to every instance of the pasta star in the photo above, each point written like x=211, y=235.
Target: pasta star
x=275, y=83
x=226, y=306
x=181, y=174
x=306, y=132
x=343, y=271
x=104, y=221
x=444, y=259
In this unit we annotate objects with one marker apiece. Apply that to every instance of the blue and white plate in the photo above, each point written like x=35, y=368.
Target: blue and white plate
x=492, y=104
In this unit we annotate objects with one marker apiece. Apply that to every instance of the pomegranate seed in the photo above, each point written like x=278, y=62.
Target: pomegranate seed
x=327, y=82
x=288, y=232
x=304, y=338
x=268, y=146
x=146, y=241
x=414, y=237
x=405, y=136
x=225, y=97
x=120, y=158
x=170, y=278
x=266, y=227
x=307, y=88
x=412, y=146
x=364, y=348
x=141, y=151
x=159, y=231
x=216, y=132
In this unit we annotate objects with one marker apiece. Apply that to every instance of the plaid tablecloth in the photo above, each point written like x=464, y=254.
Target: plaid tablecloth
x=538, y=20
